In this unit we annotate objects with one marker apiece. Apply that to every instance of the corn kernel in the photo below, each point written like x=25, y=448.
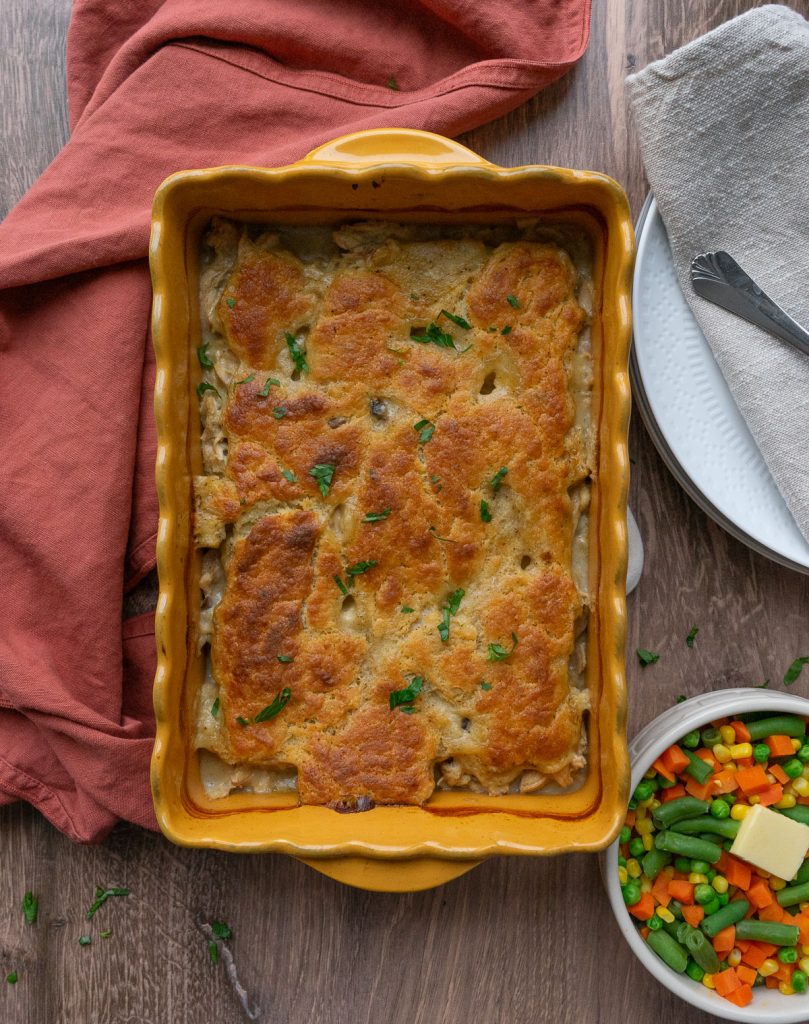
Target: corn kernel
x=622, y=876
x=734, y=958
x=777, y=884
x=720, y=884
x=648, y=843
x=803, y=906
x=767, y=968
x=741, y=750
x=738, y=811
x=647, y=803
x=695, y=878
x=805, y=949
x=786, y=801
x=721, y=753
x=771, y=778
x=654, y=804
x=645, y=884
x=640, y=815
x=796, y=744
x=754, y=799
x=800, y=786
x=786, y=989
x=803, y=963
x=650, y=774
x=665, y=914
x=728, y=734
x=644, y=827
x=805, y=772
x=633, y=868
x=708, y=982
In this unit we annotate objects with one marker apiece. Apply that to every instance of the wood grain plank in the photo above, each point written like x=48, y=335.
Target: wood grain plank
x=513, y=941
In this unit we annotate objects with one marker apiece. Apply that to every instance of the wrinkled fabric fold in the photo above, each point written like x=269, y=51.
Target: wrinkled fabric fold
x=156, y=87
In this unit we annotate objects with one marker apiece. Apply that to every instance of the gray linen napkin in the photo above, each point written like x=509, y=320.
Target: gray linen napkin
x=724, y=132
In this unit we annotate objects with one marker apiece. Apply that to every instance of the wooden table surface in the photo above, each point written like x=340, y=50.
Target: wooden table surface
x=514, y=940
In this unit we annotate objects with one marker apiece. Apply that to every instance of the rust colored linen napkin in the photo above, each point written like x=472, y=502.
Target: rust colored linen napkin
x=154, y=87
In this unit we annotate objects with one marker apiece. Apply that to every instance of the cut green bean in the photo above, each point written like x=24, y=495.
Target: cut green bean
x=688, y=846
x=684, y=929
x=707, y=825
x=682, y=807
x=654, y=862
x=671, y=927
x=780, y=725
x=702, y=951
x=725, y=917
x=698, y=769
x=793, y=894
x=668, y=949
x=774, y=932
x=803, y=873
x=799, y=813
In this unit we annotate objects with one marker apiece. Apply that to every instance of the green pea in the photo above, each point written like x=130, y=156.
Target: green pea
x=793, y=768
x=665, y=783
x=799, y=981
x=704, y=894
x=729, y=798
x=691, y=739
x=761, y=753
x=631, y=893
x=723, y=898
x=636, y=847
x=626, y=834
x=803, y=753
x=719, y=809
x=700, y=867
x=788, y=955
x=654, y=922
x=621, y=862
x=710, y=737
x=633, y=803
x=695, y=972
x=683, y=864
x=711, y=875
x=723, y=965
x=643, y=791
x=713, y=906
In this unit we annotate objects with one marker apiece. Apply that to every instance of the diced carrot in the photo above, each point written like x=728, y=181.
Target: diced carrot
x=660, y=888
x=724, y=781
x=672, y=793
x=661, y=769
x=674, y=759
x=803, y=929
x=682, y=891
x=746, y=974
x=745, y=762
x=754, y=955
x=780, y=745
x=772, y=981
x=752, y=780
x=740, y=996
x=803, y=801
x=726, y=982
x=645, y=931
x=707, y=755
x=630, y=818
x=722, y=863
x=772, y=912
x=759, y=893
x=695, y=789
x=724, y=941
x=737, y=873
x=644, y=908
x=771, y=795
x=784, y=973
x=693, y=915
x=742, y=732
x=742, y=944
x=779, y=773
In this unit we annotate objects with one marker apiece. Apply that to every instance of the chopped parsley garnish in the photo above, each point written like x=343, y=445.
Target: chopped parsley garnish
x=230, y=302
x=277, y=706
x=498, y=478
x=393, y=84
x=458, y=320
x=492, y=330
x=435, y=336
x=323, y=473
x=204, y=386
x=358, y=568
x=11, y=978
x=105, y=934
x=692, y=636
x=446, y=540
x=287, y=474
x=341, y=586
x=102, y=895
x=269, y=383
x=245, y=380
x=794, y=670
x=279, y=412
x=435, y=479
x=485, y=686
x=376, y=517
x=30, y=907
x=513, y=301
x=427, y=430
x=285, y=659
x=84, y=940
x=450, y=608
x=204, y=358
x=506, y=329
x=213, y=952
x=406, y=609
x=405, y=698
x=443, y=625
x=297, y=353
x=215, y=708
x=485, y=514
x=463, y=350
x=454, y=600
x=647, y=657
x=242, y=721
x=497, y=652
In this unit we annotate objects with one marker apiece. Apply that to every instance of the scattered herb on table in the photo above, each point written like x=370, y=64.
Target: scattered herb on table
x=405, y=698
x=647, y=657
x=11, y=978
x=30, y=907
x=277, y=706
x=794, y=670
x=497, y=652
x=105, y=934
x=681, y=698
x=102, y=895
x=84, y=940
x=213, y=952
x=692, y=636
x=297, y=353
x=427, y=430
x=323, y=472
x=762, y=686
x=393, y=84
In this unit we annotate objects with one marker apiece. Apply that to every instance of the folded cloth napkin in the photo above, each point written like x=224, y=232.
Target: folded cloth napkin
x=723, y=126
x=157, y=86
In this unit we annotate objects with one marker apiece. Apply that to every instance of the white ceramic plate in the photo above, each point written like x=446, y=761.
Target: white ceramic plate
x=690, y=413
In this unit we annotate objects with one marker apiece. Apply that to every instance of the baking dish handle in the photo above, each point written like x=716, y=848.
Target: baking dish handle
x=399, y=145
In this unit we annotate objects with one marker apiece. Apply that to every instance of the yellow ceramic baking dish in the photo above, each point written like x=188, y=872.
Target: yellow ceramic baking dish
x=408, y=176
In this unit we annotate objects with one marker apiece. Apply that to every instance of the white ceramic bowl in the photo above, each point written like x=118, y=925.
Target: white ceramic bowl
x=768, y=1005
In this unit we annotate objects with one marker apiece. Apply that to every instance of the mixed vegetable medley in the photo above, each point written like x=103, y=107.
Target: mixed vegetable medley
x=725, y=922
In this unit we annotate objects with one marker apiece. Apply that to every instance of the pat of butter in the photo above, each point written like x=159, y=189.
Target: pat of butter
x=771, y=842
